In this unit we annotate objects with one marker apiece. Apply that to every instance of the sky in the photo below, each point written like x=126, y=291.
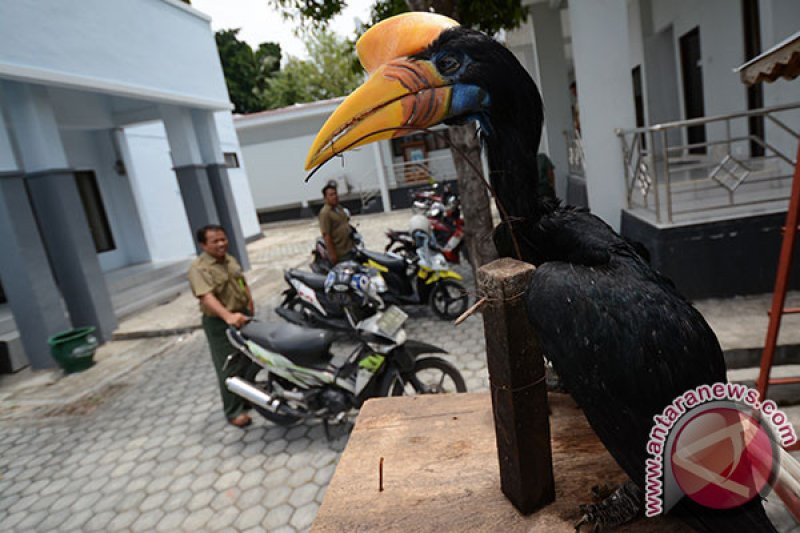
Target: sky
x=260, y=23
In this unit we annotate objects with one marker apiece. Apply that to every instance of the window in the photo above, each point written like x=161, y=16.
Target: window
x=231, y=160
x=95, y=211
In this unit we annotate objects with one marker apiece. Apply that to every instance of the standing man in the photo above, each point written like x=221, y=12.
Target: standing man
x=334, y=224
x=217, y=281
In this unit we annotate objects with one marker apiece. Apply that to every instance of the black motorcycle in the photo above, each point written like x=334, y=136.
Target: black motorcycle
x=310, y=301
x=301, y=380
x=419, y=279
x=424, y=278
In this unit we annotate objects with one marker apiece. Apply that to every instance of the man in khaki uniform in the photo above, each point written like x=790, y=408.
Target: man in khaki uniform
x=334, y=224
x=218, y=282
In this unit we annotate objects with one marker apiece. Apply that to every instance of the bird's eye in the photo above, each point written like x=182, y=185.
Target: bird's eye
x=448, y=64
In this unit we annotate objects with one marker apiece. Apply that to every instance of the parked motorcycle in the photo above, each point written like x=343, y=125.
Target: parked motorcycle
x=320, y=262
x=310, y=301
x=302, y=380
x=424, y=198
x=443, y=211
x=423, y=278
x=452, y=237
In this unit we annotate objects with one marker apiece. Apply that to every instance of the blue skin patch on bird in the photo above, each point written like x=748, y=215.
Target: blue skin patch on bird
x=465, y=105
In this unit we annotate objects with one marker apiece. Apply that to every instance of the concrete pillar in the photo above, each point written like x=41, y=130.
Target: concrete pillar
x=198, y=198
x=553, y=80
x=205, y=128
x=605, y=97
x=58, y=209
x=382, y=182
x=25, y=272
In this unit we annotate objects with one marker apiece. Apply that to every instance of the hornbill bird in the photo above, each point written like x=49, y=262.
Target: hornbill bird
x=622, y=339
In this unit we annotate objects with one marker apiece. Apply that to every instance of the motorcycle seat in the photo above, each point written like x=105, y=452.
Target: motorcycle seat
x=303, y=346
x=312, y=279
x=397, y=264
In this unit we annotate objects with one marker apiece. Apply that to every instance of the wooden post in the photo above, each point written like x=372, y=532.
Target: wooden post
x=519, y=393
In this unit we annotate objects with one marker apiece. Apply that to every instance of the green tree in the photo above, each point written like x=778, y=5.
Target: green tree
x=489, y=16
x=315, y=12
x=246, y=71
x=330, y=71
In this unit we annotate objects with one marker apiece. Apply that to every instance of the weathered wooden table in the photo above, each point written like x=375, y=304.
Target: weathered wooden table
x=440, y=470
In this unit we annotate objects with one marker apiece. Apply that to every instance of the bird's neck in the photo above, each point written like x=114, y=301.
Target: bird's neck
x=513, y=171
x=512, y=145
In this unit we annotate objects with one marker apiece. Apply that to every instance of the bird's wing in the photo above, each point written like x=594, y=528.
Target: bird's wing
x=624, y=344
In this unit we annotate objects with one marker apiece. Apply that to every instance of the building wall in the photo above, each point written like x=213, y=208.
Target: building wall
x=721, y=43
x=722, y=50
x=779, y=20
x=238, y=177
x=274, y=156
x=125, y=46
x=158, y=197
x=93, y=150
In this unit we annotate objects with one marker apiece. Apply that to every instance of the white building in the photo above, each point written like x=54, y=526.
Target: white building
x=274, y=145
x=674, y=151
x=116, y=142
x=643, y=69
x=642, y=63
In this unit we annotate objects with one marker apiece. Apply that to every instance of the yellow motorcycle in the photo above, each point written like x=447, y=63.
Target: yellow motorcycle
x=425, y=278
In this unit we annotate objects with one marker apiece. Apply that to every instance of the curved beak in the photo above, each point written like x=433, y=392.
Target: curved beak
x=400, y=96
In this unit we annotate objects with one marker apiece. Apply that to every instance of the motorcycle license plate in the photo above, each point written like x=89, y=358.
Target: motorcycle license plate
x=392, y=320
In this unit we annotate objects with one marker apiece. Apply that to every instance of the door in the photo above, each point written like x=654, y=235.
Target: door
x=692, y=71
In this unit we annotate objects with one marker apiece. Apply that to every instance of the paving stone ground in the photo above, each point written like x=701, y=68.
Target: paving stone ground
x=151, y=451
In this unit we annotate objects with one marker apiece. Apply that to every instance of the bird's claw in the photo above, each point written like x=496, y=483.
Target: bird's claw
x=616, y=508
x=586, y=519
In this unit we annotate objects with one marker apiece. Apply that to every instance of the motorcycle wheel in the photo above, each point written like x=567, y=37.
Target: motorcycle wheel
x=431, y=375
x=449, y=299
x=275, y=418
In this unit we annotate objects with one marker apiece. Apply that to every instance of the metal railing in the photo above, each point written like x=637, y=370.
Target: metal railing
x=691, y=169
x=437, y=168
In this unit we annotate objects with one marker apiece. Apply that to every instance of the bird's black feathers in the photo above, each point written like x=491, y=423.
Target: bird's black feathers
x=620, y=336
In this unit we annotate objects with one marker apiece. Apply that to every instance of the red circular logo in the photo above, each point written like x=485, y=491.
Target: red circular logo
x=722, y=458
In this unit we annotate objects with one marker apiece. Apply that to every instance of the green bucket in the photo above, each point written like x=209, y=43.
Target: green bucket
x=74, y=350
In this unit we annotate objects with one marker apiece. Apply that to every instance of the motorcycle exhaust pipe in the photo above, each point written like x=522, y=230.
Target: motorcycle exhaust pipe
x=259, y=397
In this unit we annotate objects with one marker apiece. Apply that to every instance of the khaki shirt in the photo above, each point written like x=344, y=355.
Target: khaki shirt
x=336, y=223
x=224, y=280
